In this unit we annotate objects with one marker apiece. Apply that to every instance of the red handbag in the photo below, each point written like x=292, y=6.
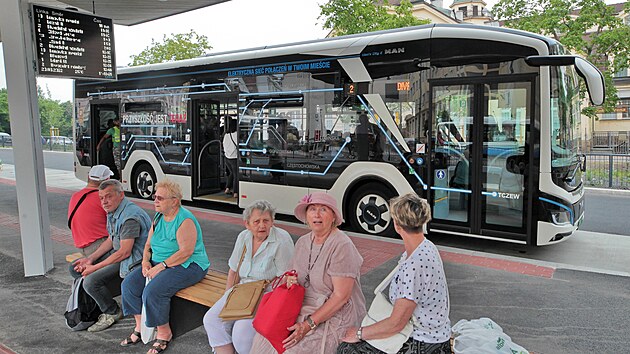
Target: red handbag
x=278, y=310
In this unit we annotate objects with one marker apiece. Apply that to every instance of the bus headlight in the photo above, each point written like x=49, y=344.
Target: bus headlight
x=561, y=217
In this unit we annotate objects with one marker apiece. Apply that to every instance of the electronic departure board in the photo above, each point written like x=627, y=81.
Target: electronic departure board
x=73, y=45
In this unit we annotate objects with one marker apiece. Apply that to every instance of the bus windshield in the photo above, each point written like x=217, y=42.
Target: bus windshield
x=565, y=117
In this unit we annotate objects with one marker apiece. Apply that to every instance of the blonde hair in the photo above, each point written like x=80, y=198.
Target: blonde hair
x=410, y=212
x=171, y=187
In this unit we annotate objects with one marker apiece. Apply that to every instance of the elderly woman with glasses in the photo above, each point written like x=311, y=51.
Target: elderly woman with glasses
x=266, y=251
x=174, y=258
x=328, y=266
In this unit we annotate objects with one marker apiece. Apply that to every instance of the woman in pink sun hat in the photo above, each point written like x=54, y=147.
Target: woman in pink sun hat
x=328, y=266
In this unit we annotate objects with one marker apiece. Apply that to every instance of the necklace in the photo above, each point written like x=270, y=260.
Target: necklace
x=307, y=279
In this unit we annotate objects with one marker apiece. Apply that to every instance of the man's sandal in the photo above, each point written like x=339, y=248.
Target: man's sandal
x=129, y=341
x=159, y=346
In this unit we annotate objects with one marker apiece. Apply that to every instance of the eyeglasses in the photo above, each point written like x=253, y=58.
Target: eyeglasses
x=159, y=198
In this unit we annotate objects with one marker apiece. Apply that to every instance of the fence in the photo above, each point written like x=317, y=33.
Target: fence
x=55, y=143
x=607, y=171
x=614, y=141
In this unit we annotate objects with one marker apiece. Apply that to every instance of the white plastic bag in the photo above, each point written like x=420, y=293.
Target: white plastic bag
x=147, y=333
x=483, y=336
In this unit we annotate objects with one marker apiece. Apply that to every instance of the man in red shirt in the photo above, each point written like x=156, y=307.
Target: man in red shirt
x=89, y=222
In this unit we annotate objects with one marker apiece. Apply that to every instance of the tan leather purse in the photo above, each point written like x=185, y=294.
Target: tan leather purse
x=244, y=298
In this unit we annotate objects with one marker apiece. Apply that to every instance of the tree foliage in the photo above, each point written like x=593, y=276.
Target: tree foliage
x=359, y=16
x=4, y=111
x=52, y=113
x=607, y=44
x=176, y=47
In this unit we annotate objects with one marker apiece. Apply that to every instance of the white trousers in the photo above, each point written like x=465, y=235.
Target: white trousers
x=240, y=333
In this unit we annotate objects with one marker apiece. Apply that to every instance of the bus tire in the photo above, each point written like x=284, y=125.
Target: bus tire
x=369, y=210
x=144, y=181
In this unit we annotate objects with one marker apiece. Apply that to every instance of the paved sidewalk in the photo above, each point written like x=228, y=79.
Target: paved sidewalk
x=533, y=300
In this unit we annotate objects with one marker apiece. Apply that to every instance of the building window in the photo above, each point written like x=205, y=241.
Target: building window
x=475, y=11
x=464, y=11
x=621, y=73
x=623, y=106
x=622, y=110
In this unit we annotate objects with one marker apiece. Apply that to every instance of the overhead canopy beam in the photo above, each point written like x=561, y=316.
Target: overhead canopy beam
x=130, y=12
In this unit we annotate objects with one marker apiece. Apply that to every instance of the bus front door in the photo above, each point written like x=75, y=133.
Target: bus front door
x=480, y=131
x=208, y=114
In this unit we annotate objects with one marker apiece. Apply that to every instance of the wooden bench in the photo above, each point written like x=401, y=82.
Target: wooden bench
x=189, y=305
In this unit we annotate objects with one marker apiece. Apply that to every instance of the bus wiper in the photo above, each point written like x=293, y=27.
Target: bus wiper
x=573, y=168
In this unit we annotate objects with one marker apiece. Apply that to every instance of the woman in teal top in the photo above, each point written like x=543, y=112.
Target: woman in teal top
x=174, y=258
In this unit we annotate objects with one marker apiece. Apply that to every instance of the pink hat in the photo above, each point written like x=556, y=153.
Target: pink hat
x=317, y=198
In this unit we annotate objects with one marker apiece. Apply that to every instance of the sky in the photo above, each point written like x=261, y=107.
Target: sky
x=235, y=24
x=232, y=25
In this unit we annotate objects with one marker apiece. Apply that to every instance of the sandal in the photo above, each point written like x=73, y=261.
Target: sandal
x=159, y=346
x=129, y=341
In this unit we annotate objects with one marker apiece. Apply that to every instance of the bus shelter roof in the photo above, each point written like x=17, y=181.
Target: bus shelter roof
x=130, y=12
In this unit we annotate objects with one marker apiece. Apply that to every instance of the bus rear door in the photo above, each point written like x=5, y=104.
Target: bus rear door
x=102, y=113
x=208, y=113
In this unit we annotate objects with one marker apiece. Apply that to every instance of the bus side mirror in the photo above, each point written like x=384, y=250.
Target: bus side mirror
x=516, y=164
x=594, y=79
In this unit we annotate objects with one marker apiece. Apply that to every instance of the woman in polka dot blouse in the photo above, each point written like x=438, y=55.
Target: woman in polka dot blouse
x=418, y=289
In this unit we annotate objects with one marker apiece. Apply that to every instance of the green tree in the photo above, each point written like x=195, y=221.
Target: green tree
x=176, y=47
x=585, y=27
x=359, y=16
x=4, y=112
x=53, y=113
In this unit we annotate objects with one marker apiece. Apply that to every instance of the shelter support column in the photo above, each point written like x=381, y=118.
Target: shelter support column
x=26, y=132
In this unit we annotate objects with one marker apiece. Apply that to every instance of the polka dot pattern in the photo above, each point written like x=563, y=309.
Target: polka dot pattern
x=420, y=278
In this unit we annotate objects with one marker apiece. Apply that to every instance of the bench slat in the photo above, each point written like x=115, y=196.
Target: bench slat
x=73, y=257
x=208, y=291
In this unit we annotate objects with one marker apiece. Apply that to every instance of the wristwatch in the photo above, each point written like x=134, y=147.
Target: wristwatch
x=310, y=322
x=164, y=264
x=360, y=333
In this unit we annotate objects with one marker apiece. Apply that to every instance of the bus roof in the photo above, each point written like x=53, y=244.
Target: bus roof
x=353, y=44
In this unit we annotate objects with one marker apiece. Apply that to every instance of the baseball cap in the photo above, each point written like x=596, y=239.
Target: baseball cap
x=100, y=173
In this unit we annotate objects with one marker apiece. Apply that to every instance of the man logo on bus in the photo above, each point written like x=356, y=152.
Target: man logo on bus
x=394, y=51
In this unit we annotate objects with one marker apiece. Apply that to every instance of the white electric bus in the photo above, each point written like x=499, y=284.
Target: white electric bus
x=481, y=121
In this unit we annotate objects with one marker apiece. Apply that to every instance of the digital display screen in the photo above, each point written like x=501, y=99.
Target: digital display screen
x=73, y=45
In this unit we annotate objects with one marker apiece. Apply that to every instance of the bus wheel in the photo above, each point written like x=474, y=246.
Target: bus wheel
x=369, y=210
x=144, y=181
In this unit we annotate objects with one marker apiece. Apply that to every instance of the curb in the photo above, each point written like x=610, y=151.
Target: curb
x=608, y=191
x=5, y=350
x=534, y=262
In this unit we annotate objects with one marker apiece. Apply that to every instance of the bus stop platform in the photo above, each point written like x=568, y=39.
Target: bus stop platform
x=577, y=306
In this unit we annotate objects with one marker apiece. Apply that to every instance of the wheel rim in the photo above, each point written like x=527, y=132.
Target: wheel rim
x=144, y=184
x=373, y=213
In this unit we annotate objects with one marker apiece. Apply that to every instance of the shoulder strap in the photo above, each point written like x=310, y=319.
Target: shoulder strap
x=77, y=206
x=238, y=268
x=386, y=281
x=156, y=218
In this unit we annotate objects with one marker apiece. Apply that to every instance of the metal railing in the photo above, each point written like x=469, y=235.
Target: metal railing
x=607, y=171
x=54, y=144
x=614, y=141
